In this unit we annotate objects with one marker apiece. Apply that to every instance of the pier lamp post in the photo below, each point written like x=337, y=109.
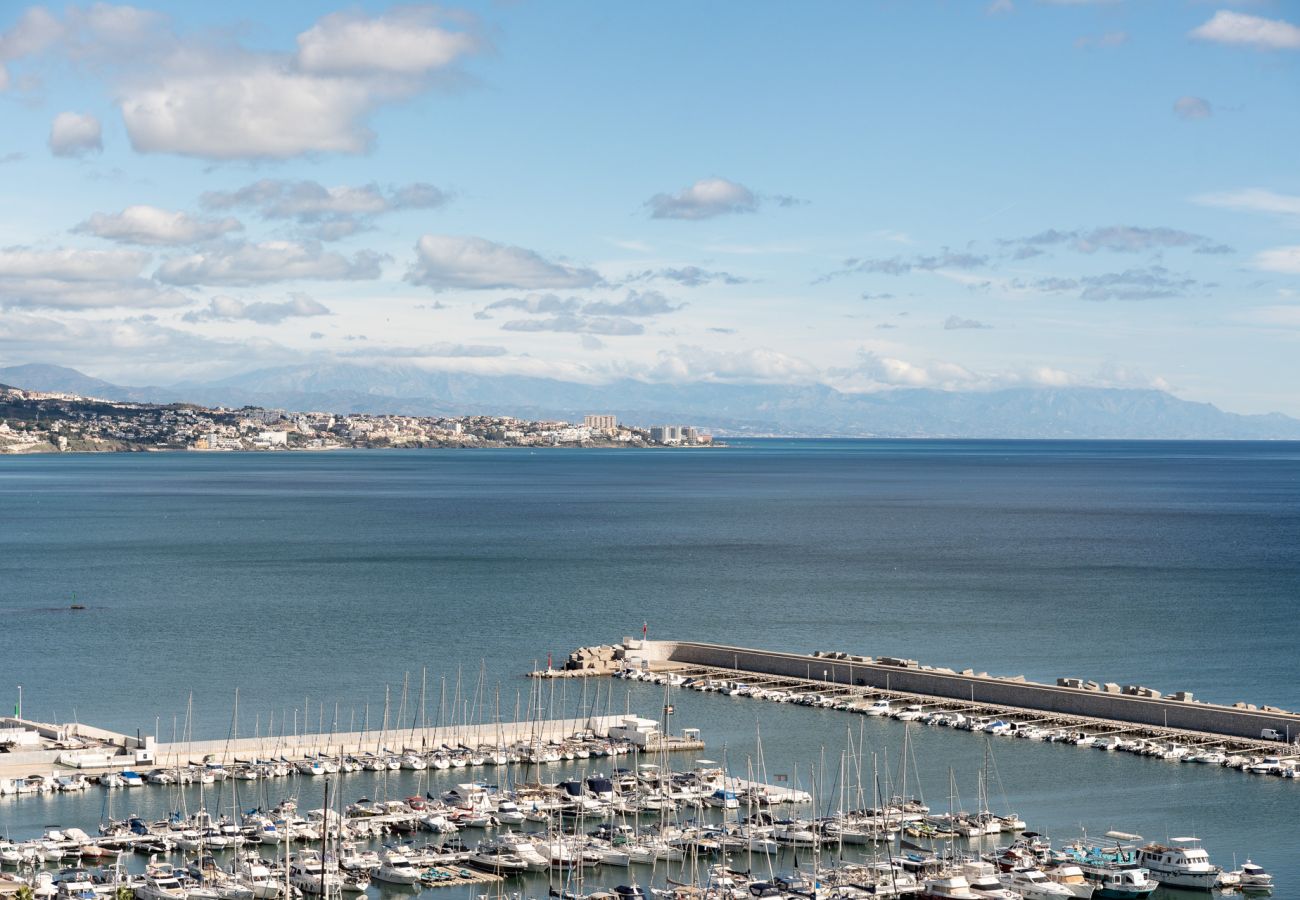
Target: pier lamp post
x=18, y=710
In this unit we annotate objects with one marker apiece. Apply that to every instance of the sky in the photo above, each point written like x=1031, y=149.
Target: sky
x=870, y=195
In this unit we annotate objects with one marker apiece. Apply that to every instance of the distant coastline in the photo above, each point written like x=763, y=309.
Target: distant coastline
x=49, y=422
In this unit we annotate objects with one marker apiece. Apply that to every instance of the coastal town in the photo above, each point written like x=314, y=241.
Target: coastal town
x=46, y=422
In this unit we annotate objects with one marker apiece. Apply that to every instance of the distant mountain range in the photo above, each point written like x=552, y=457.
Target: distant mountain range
x=736, y=409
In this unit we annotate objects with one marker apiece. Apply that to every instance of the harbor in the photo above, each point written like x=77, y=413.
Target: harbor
x=1108, y=717
x=69, y=756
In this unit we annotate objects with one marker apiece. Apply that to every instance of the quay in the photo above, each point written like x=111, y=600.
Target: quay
x=38, y=748
x=1109, y=709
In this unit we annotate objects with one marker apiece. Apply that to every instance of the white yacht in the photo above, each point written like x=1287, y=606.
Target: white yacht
x=161, y=883
x=879, y=708
x=1073, y=879
x=252, y=871
x=1032, y=884
x=309, y=874
x=1184, y=864
x=394, y=868
x=949, y=887
x=982, y=877
x=1253, y=878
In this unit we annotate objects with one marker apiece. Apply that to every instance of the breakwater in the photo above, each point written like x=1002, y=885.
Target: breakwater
x=1071, y=702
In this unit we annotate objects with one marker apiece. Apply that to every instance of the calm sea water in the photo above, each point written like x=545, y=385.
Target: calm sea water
x=316, y=580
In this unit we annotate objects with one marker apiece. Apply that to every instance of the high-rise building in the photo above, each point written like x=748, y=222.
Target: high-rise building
x=600, y=422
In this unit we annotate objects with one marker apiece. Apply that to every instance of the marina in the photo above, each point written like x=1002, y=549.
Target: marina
x=904, y=690
x=698, y=832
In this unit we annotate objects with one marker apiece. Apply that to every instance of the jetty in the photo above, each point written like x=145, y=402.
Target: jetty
x=41, y=748
x=852, y=682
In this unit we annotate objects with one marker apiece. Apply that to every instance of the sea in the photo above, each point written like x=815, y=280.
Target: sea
x=314, y=583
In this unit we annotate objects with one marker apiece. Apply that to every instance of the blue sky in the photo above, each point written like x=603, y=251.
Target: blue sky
x=869, y=195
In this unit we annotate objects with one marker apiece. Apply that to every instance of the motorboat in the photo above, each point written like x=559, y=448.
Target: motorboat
x=982, y=878
x=948, y=887
x=394, y=868
x=161, y=883
x=1032, y=884
x=1182, y=863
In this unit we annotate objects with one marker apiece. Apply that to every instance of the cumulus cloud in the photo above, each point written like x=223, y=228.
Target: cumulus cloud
x=635, y=304
x=1285, y=260
x=1253, y=200
x=1121, y=239
x=245, y=263
x=228, y=309
x=80, y=279
x=451, y=261
x=609, y=317
x=688, y=276
x=333, y=212
x=1190, y=108
x=755, y=365
x=956, y=323
x=704, y=199
x=215, y=99
x=1228, y=27
x=75, y=134
x=151, y=226
x=409, y=40
x=249, y=109
x=538, y=303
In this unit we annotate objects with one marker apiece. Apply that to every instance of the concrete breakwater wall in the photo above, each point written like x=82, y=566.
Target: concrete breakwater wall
x=842, y=671
x=394, y=740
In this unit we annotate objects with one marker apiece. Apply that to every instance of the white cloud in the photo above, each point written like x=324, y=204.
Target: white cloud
x=1227, y=27
x=332, y=212
x=1192, y=108
x=267, y=313
x=761, y=364
x=450, y=261
x=71, y=265
x=149, y=225
x=1253, y=200
x=132, y=341
x=207, y=96
x=75, y=134
x=999, y=7
x=1285, y=260
x=575, y=324
x=35, y=30
x=405, y=40
x=248, y=110
x=704, y=199
x=244, y=264
x=80, y=279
